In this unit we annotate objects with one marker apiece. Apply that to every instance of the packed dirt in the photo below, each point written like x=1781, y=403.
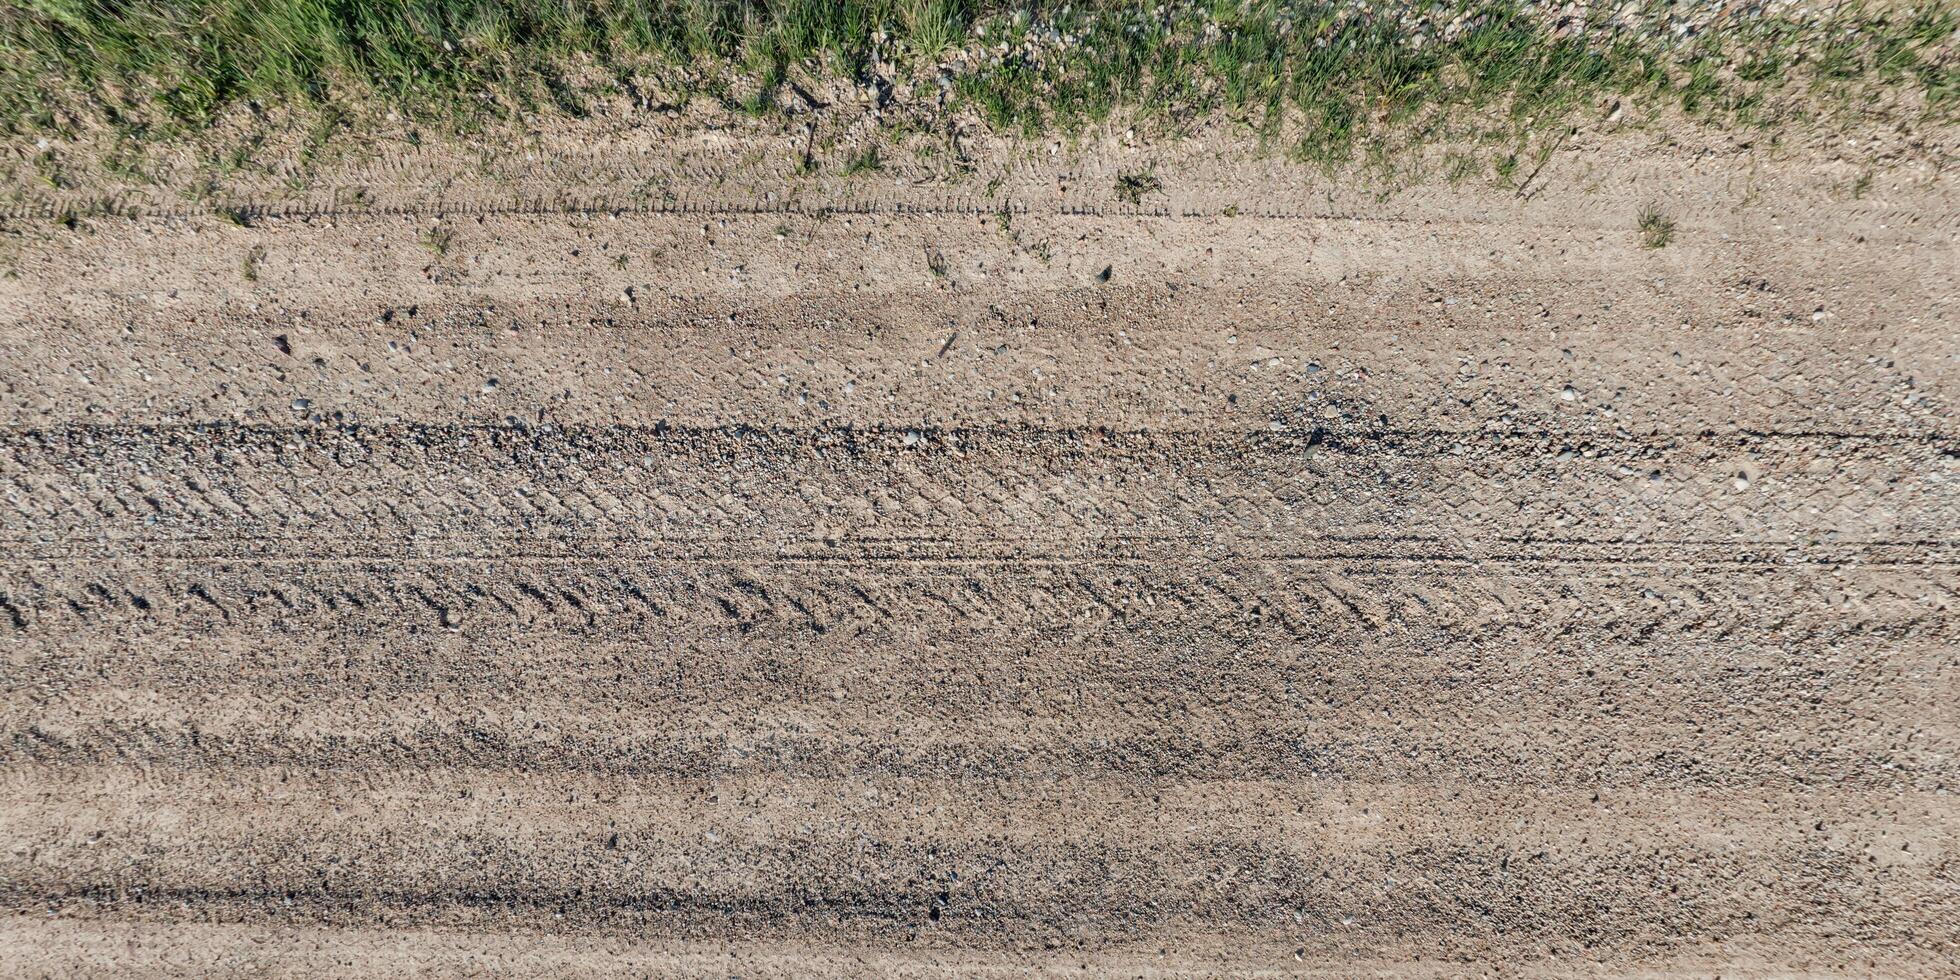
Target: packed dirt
x=753, y=577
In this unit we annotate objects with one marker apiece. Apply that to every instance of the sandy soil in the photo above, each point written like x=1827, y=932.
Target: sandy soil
x=771, y=578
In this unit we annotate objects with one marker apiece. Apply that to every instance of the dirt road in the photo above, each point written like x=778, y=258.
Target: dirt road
x=908, y=583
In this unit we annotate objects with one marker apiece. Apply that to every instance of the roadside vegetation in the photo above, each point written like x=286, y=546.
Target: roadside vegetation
x=1656, y=229
x=1318, y=80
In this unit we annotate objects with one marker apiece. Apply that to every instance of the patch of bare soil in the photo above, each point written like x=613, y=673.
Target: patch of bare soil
x=536, y=574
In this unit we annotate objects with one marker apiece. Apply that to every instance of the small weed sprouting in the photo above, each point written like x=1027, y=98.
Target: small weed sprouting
x=1462, y=167
x=1656, y=229
x=249, y=266
x=1131, y=188
x=439, y=240
x=1506, y=169
x=868, y=162
x=936, y=263
x=48, y=170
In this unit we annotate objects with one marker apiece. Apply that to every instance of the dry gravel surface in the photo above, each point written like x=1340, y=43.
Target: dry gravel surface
x=798, y=581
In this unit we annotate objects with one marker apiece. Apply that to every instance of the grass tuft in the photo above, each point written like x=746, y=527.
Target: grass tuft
x=1656, y=229
x=865, y=163
x=439, y=241
x=1131, y=188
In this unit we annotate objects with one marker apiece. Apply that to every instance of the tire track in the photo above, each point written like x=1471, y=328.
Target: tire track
x=715, y=585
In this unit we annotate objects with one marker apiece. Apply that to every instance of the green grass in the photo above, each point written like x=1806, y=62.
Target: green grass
x=866, y=162
x=1656, y=229
x=1314, y=77
x=439, y=240
x=1133, y=188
